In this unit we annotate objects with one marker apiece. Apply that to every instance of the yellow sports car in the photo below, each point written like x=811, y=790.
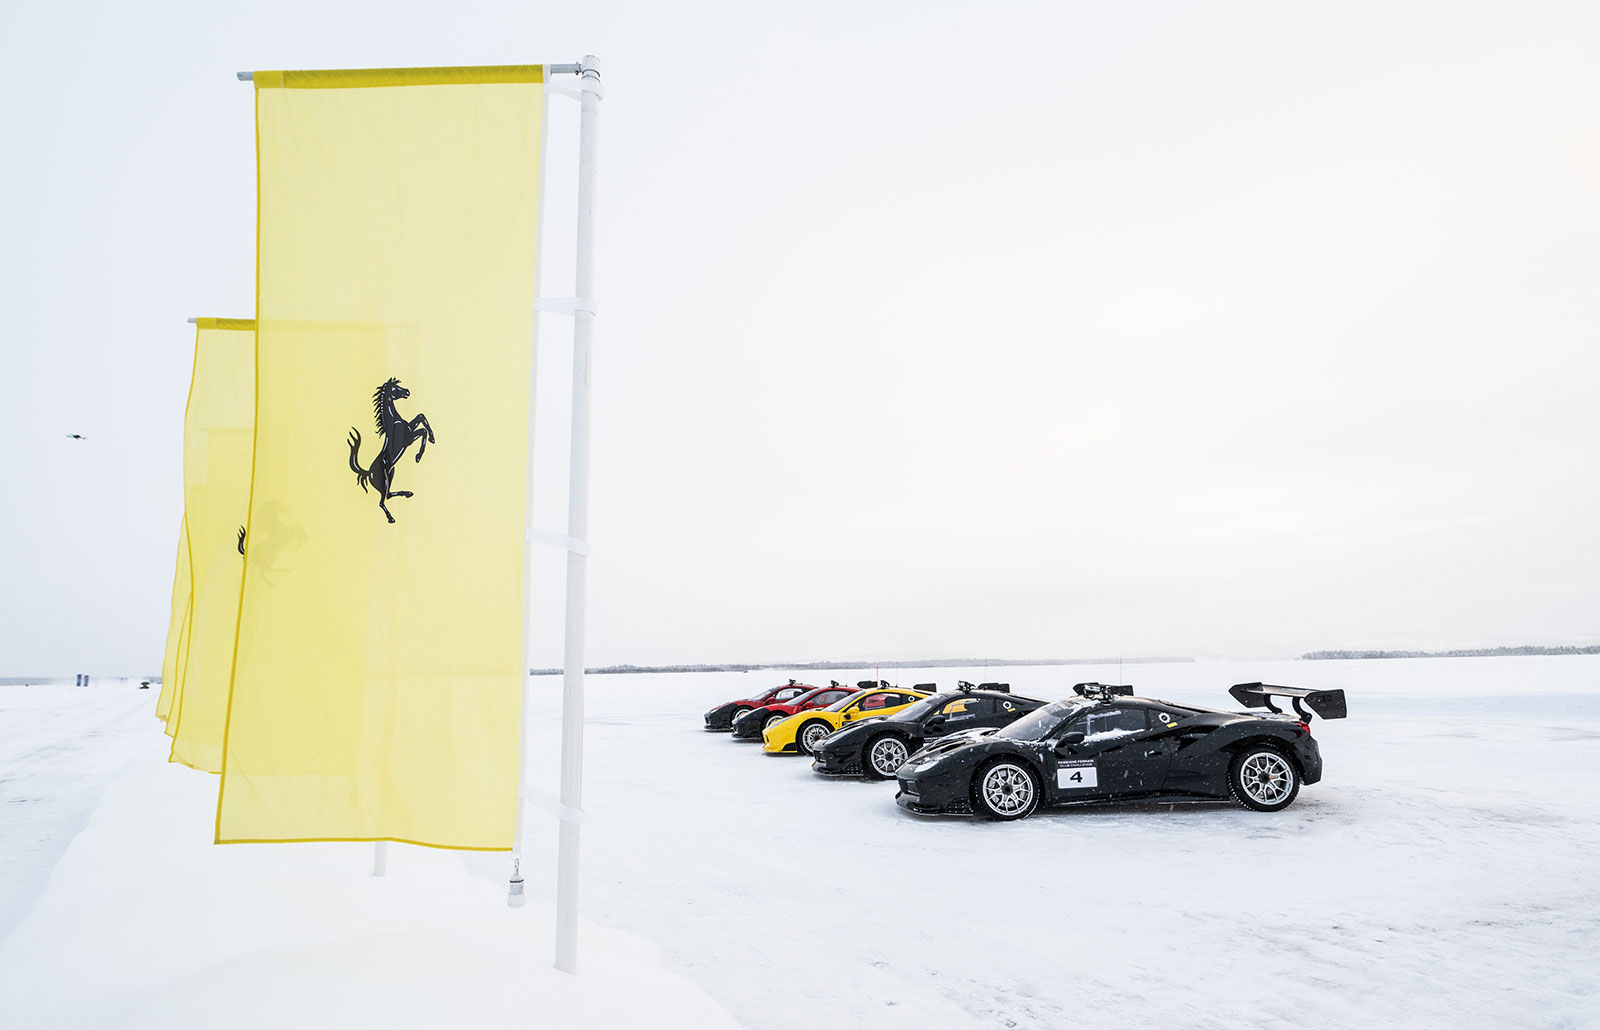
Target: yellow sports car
x=800, y=732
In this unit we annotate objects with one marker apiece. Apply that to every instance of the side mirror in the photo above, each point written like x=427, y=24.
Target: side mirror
x=848, y=716
x=1068, y=742
x=934, y=724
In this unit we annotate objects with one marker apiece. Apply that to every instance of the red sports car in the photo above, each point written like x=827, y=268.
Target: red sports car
x=749, y=725
x=722, y=716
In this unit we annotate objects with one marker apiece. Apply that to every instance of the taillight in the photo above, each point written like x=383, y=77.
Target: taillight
x=1305, y=728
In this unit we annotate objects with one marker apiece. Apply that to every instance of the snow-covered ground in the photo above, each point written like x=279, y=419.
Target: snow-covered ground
x=59, y=745
x=143, y=923
x=1442, y=875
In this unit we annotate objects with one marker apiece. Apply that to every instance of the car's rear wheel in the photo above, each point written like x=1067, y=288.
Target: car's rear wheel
x=810, y=734
x=773, y=720
x=1263, y=779
x=1006, y=790
x=885, y=753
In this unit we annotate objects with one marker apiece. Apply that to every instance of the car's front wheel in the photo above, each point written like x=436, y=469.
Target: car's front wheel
x=885, y=753
x=773, y=720
x=1005, y=789
x=810, y=734
x=1263, y=779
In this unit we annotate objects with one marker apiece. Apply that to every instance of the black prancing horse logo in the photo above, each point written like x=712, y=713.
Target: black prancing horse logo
x=397, y=435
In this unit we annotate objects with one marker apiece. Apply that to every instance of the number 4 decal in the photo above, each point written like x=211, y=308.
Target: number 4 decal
x=1077, y=776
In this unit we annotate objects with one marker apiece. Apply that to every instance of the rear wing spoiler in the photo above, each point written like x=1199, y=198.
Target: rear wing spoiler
x=1327, y=703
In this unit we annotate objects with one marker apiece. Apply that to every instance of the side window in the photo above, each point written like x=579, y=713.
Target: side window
x=828, y=697
x=1116, y=720
x=1078, y=725
x=789, y=694
x=968, y=708
x=874, y=701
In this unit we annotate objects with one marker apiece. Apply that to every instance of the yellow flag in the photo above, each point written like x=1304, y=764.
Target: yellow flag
x=177, y=628
x=218, y=429
x=377, y=682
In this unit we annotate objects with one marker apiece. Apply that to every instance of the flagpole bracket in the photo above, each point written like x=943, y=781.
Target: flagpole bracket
x=574, y=816
x=565, y=305
x=559, y=541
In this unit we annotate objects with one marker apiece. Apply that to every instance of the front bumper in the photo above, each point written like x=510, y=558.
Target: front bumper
x=778, y=749
x=748, y=729
x=934, y=795
x=836, y=763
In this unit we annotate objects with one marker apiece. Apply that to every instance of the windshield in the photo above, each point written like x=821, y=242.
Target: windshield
x=921, y=708
x=1044, y=721
x=843, y=703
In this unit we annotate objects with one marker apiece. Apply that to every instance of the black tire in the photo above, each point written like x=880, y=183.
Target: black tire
x=1263, y=779
x=1005, y=789
x=879, y=754
x=816, y=728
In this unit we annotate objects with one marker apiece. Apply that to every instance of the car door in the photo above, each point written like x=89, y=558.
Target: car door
x=824, y=699
x=1001, y=713
x=872, y=703
x=964, y=713
x=1128, y=757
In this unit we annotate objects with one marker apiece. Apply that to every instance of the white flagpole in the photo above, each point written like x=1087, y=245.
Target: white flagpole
x=577, y=527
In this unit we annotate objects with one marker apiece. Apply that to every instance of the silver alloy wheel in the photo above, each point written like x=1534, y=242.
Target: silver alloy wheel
x=1007, y=789
x=1266, y=777
x=888, y=754
x=813, y=733
x=773, y=720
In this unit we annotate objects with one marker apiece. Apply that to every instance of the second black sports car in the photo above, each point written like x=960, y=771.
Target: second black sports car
x=1105, y=744
x=876, y=747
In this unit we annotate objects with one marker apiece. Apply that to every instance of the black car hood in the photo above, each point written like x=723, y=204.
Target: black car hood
x=856, y=733
x=959, y=739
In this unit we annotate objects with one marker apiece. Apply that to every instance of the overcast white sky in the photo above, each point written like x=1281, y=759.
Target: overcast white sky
x=926, y=328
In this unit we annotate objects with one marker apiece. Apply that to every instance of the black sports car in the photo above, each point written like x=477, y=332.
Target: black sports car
x=875, y=748
x=1105, y=744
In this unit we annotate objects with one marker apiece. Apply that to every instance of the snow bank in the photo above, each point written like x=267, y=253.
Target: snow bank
x=145, y=923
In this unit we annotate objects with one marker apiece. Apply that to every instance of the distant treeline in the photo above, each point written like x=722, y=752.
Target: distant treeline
x=1477, y=652
x=945, y=663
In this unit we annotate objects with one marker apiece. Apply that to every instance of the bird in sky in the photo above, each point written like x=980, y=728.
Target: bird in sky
x=76, y=436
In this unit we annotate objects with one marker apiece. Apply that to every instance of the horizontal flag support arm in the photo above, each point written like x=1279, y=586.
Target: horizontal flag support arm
x=553, y=806
x=565, y=305
x=560, y=541
x=576, y=68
